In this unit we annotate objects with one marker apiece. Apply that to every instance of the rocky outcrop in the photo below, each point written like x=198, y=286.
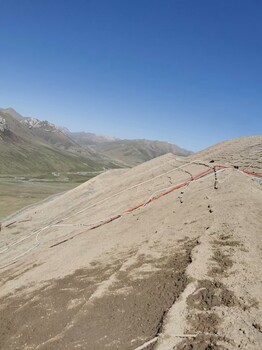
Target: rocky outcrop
x=3, y=125
x=36, y=123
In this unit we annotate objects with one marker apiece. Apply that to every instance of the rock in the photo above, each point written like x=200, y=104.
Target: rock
x=3, y=125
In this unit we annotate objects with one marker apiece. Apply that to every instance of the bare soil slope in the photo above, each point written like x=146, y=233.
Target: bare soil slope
x=113, y=264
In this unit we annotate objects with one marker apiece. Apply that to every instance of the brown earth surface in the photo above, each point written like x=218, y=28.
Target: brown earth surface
x=181, y=272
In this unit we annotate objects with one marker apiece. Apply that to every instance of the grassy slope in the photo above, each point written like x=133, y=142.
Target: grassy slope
x=21, y=152
x=28, y=159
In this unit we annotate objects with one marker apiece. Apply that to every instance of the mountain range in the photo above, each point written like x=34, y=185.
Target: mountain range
x=30, y=145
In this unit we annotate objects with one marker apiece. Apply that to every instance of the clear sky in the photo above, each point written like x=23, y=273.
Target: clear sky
x=185, y=71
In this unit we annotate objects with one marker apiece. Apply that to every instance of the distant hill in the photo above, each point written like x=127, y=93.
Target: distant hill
x=25, y=140
x=88, y=139
x=13, y=113
x=50, y=133
x=22, y=151
x=134, y=152
x=127, y=152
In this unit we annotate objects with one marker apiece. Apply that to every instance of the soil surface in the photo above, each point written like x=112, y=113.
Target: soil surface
x=82, y=271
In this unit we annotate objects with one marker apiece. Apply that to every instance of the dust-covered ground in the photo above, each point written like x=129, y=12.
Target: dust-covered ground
x=180, y=272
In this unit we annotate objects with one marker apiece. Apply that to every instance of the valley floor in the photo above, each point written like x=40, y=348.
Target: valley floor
x=17, y=192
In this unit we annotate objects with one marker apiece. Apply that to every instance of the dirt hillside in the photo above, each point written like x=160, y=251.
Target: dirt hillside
x=166, y=255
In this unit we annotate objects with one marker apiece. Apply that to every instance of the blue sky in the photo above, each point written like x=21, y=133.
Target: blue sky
x=188, y=72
